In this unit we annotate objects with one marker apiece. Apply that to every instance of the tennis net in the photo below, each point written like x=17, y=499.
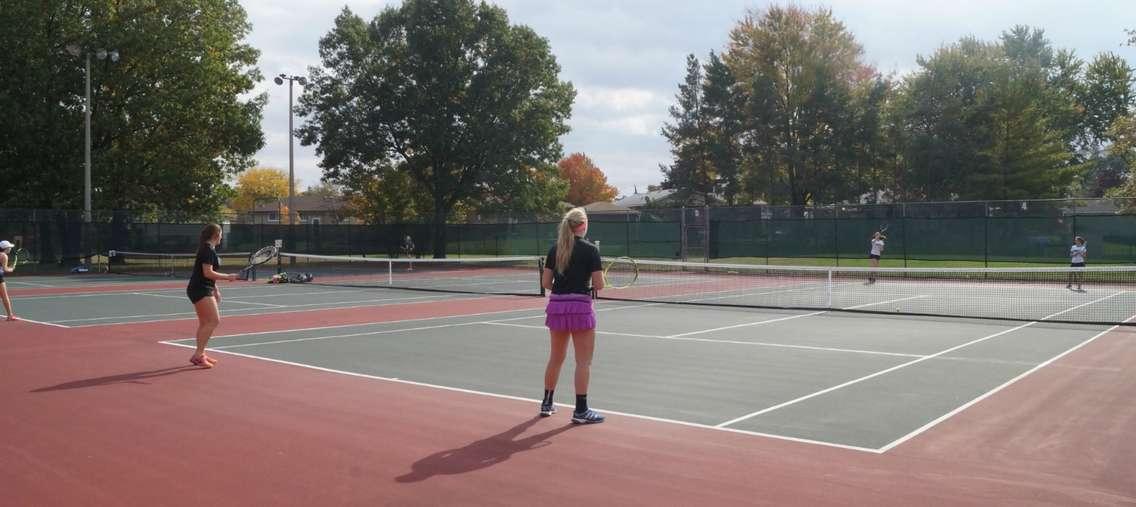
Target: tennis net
x=493, y=275
x=167, y=264
x=1107, y=295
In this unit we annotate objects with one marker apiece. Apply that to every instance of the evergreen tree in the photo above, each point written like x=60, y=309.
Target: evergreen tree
x=693, y=169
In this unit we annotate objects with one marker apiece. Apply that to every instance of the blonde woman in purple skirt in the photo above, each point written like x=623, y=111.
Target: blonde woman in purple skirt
x=573, y=269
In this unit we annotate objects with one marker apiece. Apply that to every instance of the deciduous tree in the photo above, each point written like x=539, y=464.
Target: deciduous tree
x=445, y=91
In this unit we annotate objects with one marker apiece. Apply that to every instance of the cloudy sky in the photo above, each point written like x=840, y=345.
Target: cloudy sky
x=625, y=57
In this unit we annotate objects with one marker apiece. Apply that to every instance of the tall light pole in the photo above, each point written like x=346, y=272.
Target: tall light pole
x=291, y=138
x=101, y=54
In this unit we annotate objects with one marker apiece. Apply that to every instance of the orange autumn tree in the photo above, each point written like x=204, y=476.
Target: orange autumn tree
x=586, y=182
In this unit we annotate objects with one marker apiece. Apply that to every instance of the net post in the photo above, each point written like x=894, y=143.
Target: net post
x=706, y=233
x=828, y=290
x=540, y=275
x=836, y=237
x=903, y=236
x=390, y=272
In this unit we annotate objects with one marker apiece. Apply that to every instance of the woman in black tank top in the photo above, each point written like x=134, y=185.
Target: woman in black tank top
x=203, y=292
x=5, y=268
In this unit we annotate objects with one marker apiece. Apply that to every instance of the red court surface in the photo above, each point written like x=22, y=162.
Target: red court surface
x=106, y=415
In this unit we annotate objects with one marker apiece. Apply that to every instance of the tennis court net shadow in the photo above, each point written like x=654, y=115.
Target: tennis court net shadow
x=138, y=377
x=481, y=454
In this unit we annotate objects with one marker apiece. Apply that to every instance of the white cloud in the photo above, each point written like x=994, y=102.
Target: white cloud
x=635, y=125
x=618, y=99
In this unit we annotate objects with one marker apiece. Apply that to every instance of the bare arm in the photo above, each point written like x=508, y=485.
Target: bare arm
x=4, y=264
x=207, y=270
x=546, y=279
x=597, y=280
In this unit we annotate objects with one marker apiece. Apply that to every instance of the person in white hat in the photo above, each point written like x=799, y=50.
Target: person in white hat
x=5, y=268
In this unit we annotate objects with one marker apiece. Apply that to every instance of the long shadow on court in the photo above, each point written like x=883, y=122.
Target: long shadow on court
x=481, y=454
x=138, y=377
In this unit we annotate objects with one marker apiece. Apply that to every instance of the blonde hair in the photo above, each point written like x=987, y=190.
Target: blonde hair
x=566, y=236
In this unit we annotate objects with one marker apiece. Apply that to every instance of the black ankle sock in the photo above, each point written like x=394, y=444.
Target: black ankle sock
x=547, y=397
x=581, y=403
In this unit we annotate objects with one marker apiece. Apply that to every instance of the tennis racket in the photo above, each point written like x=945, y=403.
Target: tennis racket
x=257, y=258
x=884, y=230
x=621, y=273
x=20, y=256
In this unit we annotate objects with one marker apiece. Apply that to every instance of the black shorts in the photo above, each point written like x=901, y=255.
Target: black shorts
x=198, y=293
x=874, y=256
x=1077, y=265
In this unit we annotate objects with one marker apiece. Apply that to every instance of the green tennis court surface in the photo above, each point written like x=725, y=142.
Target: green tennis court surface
x=779, y=352
x=860, y=381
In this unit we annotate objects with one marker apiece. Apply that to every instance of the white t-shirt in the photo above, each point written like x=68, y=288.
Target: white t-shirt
x=877, y=247
x=1077, y=252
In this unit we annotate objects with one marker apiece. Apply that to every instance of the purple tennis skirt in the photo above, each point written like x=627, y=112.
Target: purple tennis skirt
x=570, y=312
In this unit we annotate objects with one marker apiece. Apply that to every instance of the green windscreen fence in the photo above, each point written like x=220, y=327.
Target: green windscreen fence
x=974, y=233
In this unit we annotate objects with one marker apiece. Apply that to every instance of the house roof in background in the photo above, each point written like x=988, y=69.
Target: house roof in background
x=608, y=208
x=308, y=203
x=639, y=200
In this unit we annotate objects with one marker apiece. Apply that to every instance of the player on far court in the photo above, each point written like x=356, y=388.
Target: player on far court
x=203, y=291
x=408, y=250
x=572, y=270
x=6, y=266
x=1077, y=255
x=876, y=250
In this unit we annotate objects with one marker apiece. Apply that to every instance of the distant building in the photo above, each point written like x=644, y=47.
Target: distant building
x=639, y=200
x=669, y=198
x=600, y=211
x=312, y=209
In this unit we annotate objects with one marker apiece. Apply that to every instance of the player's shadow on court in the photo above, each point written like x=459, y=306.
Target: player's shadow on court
x=481, y=454
x=138, y=377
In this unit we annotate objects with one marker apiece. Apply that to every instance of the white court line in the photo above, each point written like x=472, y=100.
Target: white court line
x=990, y=393
x=231, y=300
x=780, y=319
x=300, y=311
x=732, y=342
x=904, y=365
x=13, y=282
x=173, y=291
x=884, y=302
x=535, y=401
x=745, y=294
x=348, y=335
x=341, y=326
x=1031, y=364
x=262, y=305
x=77, y=295
x=297, y=293
x=43, y=323
x=331, y=306
x=171, y=296
x=386, y=331
x=610, y=333
x=747, y=324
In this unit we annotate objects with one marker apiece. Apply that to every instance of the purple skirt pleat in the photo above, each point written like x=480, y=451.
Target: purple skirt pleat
x=570, y=312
